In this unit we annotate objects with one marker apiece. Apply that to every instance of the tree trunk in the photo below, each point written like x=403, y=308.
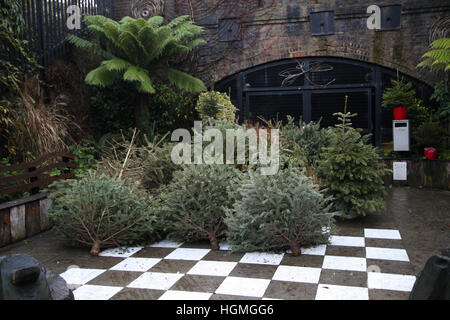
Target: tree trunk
x=95, y=250
x=213, y=240
x=142, y=114
x=295, y=248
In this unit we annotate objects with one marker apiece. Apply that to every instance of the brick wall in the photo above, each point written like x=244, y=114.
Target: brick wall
x=121, y=8
x=271, y=30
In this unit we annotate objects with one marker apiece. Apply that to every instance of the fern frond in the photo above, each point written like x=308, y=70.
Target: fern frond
x=116, y=64
x=184, y=81
x=155, y=21
x=132, y=47
x=136, y=74
x=438, y=58
x=442, y=43
x=89, y=46
x=101, y=76
x=177, y=21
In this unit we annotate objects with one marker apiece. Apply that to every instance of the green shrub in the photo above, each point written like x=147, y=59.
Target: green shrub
x=109, y=105
x=171, y=109
x=442, y=97
x=159, y=167
x=217, y=105
x=429, y=134
x=194, y=202
x=351, y=170
x=285, y=210
x=85, y=156
x=309, y=137
x=99, y=211
x=401, y=94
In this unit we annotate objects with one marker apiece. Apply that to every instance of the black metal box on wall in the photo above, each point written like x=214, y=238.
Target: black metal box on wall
x=391, y=17
x=229, y=30
x=322, y=23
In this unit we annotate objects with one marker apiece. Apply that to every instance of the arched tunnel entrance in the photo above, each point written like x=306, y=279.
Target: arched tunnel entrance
x=315, y=88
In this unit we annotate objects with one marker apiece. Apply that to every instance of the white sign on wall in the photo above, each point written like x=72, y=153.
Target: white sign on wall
x=400, y=171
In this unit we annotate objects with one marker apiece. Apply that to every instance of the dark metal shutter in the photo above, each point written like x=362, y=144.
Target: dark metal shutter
x=275, y=106
x=323, y=105
x=340, y=73
x=272, y=76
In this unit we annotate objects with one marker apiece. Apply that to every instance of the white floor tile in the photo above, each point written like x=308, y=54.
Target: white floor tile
x=382, y=234
x=167, y=244
x=136, y=264
x=297, y=274
x=80, y=276
x=344, y=263
x=347, y=241
x=185, y=295
x=123, y=252
x=332, y=292
x=315, y=251
x=187, y=254
x=387, y=254
x=213, y=268
x=387, y=281
x=224, y=245
x=89, y=292
x=262, y=258
x=156, y=281
x=248, y=287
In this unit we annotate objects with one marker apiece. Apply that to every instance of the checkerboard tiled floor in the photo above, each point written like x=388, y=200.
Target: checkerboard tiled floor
x=372, y=265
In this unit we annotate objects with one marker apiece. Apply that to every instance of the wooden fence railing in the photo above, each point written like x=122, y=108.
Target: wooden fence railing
x=36, y=174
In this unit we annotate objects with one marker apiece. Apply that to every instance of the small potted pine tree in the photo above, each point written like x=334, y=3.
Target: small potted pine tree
x=351, y=170
x=399, y=97
x=429, y=137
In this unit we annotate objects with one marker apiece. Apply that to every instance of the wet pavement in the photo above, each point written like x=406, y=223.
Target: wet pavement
x=181, y=271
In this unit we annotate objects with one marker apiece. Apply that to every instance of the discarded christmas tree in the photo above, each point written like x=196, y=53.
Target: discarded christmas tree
x=277, y=212
x=100, y=211
x=351, y=170
x=193, y=204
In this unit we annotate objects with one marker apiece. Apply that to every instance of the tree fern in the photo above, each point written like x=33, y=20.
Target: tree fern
x=141, y=51
x=438, y=58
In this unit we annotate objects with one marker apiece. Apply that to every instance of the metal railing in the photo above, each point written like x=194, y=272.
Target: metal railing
x=46, y=23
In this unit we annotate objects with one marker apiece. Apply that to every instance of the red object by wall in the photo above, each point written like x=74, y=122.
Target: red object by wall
x=400, y=113
x=430, y=153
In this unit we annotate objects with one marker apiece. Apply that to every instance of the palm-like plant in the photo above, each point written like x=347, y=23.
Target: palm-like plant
x=143, y=52
x=438, y=58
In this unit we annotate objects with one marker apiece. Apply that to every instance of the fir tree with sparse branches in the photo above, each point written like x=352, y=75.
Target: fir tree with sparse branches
x=351, y=170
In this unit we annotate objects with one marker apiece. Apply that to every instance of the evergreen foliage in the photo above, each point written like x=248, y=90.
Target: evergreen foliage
x=159, y=167
x=438, y=58
x=308, y=136
x=401, y=94
x=216, y=105
x=351, y=170
x=277, y=212
x=442, y=97
x=141, y=52
x=99, y=211
x=429, y=134
x=193, y=205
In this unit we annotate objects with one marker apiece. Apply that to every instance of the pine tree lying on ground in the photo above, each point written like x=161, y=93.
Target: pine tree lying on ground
x=193, y=205
x=277, y=212
x=100, y=211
